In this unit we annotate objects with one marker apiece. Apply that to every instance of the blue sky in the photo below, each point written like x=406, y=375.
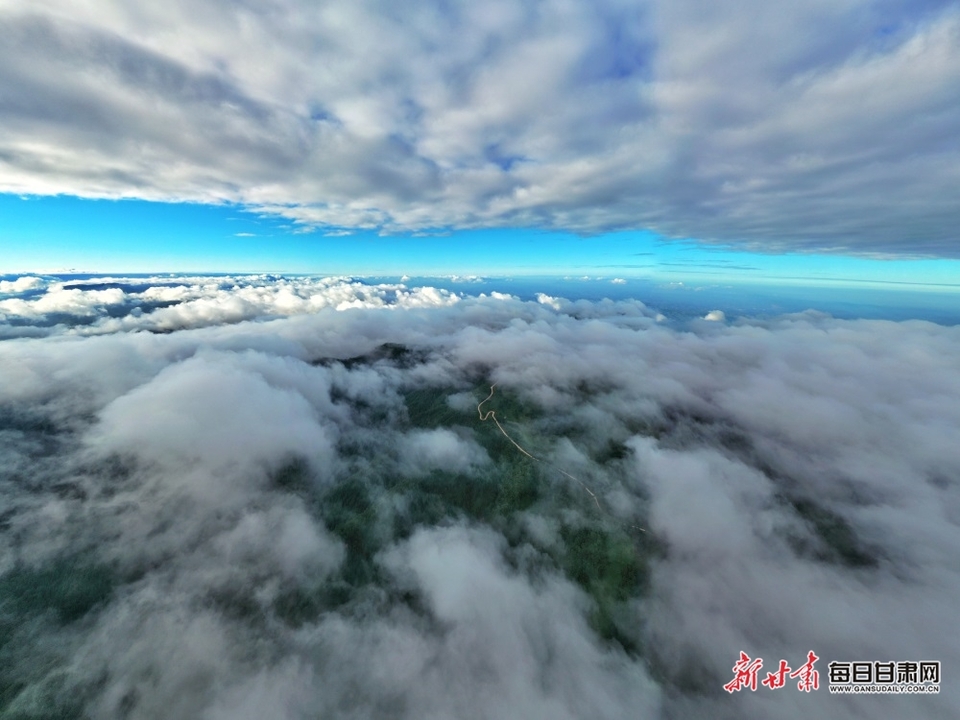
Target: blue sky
x=47, y=234
x=809, y=143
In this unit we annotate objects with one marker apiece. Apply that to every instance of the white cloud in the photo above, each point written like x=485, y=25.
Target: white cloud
x=81, y=303
x=440, y=449
x=21, y=284
x=276, y=530
x=208, y=411
x=544, y=299
x=828, y=126
x=530, y=645
x=203, y=301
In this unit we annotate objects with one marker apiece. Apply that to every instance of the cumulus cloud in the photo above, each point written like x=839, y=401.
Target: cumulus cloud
x=161, y=305
x=826, y=127
x=304, y=514
x=208, y=411
x=21, y=284
x=73, y=302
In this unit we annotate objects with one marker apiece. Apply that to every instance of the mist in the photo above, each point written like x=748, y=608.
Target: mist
x=271, y=497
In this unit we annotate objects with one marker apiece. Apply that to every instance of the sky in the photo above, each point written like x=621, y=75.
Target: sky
x=818, y=142
x=67, y=234
x=477, y=360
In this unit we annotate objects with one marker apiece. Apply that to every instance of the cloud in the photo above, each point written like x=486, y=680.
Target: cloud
x=193, y=413
x=162, y=305
x=583, y=117
x=715, y=316
x=21, y=284
x=302, y=514
x=440, y=449
x=56, y=300
x=505, y=630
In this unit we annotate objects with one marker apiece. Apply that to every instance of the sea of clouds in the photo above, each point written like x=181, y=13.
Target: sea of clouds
x=249, y=497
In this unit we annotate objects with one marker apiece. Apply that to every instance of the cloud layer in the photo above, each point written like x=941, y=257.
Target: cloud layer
x=304, y=515
x=828, y=126
x=33, y=305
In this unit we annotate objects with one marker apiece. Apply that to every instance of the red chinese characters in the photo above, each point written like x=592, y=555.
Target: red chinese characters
x=746, y=673
x=809, y=679
x=746, y=670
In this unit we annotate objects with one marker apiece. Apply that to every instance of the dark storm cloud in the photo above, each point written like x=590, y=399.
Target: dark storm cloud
x=304, y=515
x=821, y=126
